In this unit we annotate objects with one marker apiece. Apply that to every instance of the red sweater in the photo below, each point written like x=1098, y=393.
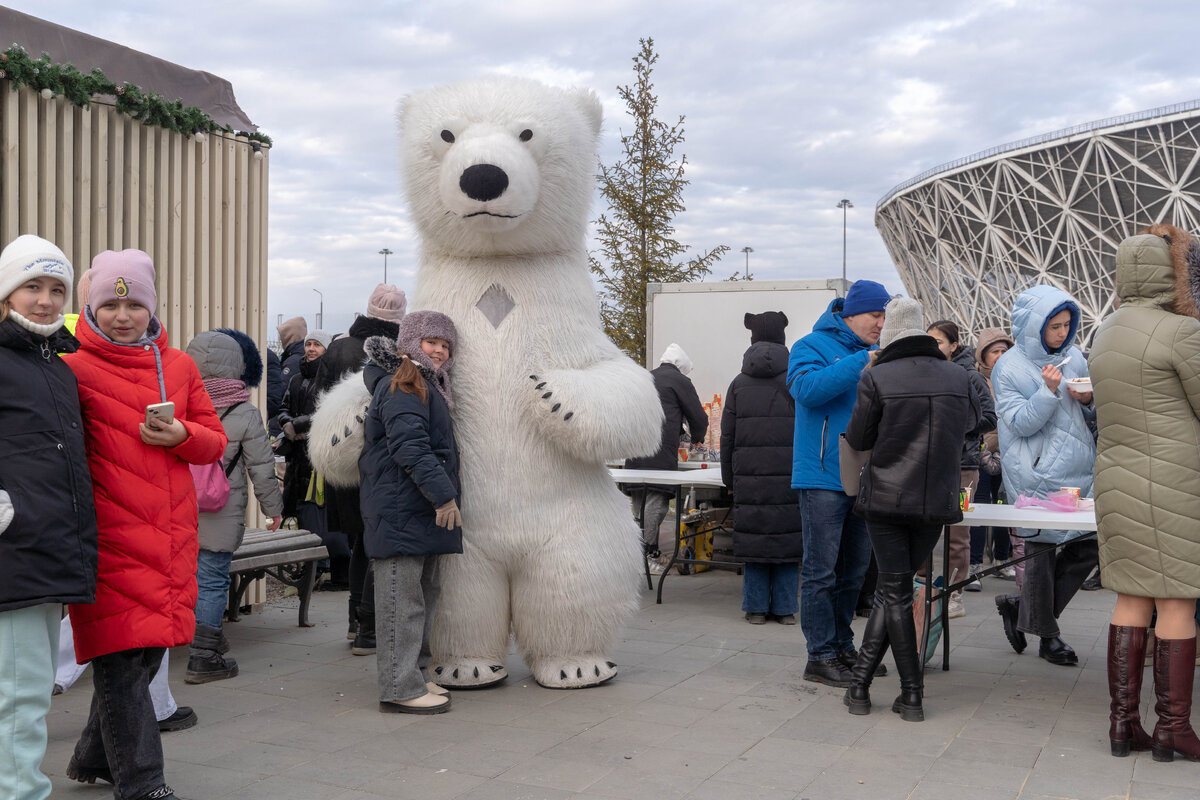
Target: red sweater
x=145, y=498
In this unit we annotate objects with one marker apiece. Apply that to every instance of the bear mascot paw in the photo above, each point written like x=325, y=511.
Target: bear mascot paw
x=499, y=178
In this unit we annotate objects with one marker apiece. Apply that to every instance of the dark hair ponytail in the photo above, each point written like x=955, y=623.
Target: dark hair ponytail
x=409, y=379
x=950, y=331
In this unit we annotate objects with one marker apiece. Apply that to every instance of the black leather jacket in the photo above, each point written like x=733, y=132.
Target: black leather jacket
x=913, y=410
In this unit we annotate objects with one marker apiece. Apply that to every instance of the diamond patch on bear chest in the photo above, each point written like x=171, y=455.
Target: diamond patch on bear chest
x=495, y=304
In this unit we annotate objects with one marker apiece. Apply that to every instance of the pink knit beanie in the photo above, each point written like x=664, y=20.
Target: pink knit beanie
x=127, y=275
x=387, y=302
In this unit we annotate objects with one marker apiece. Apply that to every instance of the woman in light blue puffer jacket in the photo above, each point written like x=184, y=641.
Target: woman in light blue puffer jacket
x=1046, y=443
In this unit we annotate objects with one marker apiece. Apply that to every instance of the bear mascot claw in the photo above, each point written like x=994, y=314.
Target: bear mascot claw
x=498, y=176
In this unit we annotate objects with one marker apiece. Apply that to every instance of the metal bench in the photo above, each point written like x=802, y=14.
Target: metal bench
x=290, y=556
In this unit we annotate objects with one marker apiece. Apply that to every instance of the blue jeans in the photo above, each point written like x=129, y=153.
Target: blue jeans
x=771, y=589
x=212, y=583
x=836, y=554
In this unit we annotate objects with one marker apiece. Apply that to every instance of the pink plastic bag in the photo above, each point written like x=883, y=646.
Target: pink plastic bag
x=1055, y=501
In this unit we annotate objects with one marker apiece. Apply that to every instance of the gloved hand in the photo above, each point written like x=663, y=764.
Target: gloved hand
x=448, y=516
x=289, y=430
x=6, y=510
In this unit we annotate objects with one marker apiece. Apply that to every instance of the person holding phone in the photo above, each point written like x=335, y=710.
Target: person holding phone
x=146, y=515
x=47, y=522
x=409, y=468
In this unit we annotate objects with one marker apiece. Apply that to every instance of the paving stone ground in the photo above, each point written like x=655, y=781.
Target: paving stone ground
x=706, y=707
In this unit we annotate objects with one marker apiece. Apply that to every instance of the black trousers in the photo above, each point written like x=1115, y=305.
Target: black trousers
x=122, y=730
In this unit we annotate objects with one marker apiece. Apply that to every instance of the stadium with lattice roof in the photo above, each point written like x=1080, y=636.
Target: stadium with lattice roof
x=969, y=236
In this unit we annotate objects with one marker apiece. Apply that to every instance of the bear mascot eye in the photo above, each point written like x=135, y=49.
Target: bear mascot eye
x=526, y=135
x=448, y=137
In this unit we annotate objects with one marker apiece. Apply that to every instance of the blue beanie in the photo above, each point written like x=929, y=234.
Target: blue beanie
x=865, y=297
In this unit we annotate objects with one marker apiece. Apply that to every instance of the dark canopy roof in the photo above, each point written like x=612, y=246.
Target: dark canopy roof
x=123, y=64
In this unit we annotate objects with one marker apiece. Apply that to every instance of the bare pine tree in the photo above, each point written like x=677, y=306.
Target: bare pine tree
x=644, y=192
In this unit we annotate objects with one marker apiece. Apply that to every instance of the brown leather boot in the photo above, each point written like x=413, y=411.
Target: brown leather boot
x=1174, y=669
x=1126, y=651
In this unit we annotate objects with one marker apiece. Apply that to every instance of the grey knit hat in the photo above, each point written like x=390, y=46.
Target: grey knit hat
x=905, y=318
x=319, y=336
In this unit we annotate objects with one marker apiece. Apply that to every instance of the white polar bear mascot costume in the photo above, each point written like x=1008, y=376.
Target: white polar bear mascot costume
x=499, y=176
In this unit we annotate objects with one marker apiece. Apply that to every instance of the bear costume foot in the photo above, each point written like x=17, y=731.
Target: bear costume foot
x=573, y=673
x=469, y=673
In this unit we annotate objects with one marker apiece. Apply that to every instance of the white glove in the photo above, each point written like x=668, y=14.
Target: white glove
x=448, y=516
x=6, y=510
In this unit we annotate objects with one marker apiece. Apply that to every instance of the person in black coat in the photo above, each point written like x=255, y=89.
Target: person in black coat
x=679, y=403
x=757, y=425
x=303, y=497
x=409, y=469
x=947, y=336
x=913, y=410
x=48, y=540
x=385, y=309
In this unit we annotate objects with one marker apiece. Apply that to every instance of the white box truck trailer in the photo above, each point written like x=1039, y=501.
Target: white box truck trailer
x=707, y=321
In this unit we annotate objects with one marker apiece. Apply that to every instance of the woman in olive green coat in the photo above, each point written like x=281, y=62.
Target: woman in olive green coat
x=1145, y=366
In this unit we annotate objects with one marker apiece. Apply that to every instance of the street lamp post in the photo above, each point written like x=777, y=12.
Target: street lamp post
x=321, y=311
x=385, y=253
x=747, y=250
x=843, y=205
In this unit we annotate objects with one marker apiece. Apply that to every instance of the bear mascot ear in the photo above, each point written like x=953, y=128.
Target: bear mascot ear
x=589, y=104
x=747, y=320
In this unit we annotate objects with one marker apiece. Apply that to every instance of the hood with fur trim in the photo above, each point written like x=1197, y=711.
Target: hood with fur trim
x=1160, y=267
x=227, y=353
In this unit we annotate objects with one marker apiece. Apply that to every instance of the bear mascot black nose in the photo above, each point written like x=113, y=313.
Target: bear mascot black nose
x=483, y=182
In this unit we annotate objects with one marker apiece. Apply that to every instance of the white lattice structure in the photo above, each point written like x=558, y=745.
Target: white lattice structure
x=969, y=236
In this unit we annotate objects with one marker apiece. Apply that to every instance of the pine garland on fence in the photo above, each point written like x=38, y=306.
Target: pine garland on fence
x=52, y=79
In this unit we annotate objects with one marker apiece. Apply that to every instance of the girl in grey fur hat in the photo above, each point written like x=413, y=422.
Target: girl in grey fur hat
x=409, y=495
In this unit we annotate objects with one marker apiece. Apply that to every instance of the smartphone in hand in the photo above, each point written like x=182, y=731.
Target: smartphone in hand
x=160, y=411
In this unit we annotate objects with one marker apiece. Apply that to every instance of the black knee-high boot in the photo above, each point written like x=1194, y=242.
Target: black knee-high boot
x=902, y=634
x=870, y=653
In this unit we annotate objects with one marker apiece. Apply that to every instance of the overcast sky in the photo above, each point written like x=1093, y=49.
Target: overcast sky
x=790, y=106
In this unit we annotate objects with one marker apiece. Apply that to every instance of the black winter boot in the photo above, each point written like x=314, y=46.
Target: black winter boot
x=902, y=634
x=364, y=640
x=205, y=661
x=874, y=645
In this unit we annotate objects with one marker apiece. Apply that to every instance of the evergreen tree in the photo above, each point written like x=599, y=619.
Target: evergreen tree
x=644, y=192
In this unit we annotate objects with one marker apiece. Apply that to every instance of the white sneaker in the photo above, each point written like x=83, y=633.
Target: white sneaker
x=655, y=567
x=975, y=585
x=956, y=606
x=1007, y=573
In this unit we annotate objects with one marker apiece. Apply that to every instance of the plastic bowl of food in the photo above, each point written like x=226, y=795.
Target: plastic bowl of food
x=1080, y=384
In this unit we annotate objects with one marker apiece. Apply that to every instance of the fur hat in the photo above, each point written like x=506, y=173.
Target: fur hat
x=767, y=326
x=28, y=257
x=319, y=336
x=425, y=325
x=864, y=297
x=291, y=331
x=124, y=275
x=387, y=302
x=905, y=318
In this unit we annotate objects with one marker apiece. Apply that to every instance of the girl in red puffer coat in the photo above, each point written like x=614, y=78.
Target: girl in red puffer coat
x=146, y=514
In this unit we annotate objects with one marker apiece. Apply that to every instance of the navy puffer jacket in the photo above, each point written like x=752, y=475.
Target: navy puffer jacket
x=757, y=424
x=409, y=468
x=48, y=551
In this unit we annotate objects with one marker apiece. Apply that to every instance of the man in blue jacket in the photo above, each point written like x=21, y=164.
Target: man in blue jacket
x=823, y=372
